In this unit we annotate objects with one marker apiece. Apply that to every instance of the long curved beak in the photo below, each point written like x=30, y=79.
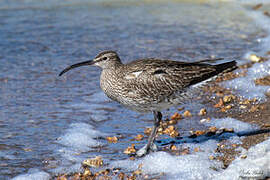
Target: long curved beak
x=85, y=63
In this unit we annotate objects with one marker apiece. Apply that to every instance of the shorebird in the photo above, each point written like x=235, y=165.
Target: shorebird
x=151, y=85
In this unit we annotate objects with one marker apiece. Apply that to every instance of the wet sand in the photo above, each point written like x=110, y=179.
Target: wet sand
x=260, y=117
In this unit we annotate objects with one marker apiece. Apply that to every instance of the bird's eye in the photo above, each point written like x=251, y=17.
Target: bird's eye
x=105, y=58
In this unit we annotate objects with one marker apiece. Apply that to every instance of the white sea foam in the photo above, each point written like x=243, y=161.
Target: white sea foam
x=232, y=123
x=193, y=166
x=33, y=174
x=255, y=166
x=196, y=165
x=80, y=137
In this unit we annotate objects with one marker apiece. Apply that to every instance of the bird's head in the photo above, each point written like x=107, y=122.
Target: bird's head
x=105, y=59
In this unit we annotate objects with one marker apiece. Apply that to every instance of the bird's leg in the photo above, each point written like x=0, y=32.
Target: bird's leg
x=150, y=144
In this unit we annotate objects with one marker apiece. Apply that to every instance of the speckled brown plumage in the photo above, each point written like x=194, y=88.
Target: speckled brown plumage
x=151, y=85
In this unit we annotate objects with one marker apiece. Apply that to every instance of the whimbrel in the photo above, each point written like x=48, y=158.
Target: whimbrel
x=151, y=85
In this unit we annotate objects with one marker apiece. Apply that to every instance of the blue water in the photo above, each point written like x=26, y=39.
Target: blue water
x=40, y=38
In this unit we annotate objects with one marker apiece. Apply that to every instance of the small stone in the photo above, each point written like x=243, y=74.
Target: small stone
x=160, y=130
x=139, y=137
x=171, y=128
x=254, y=58
x=176, y=116
x=105, y=171
x=266, y=125
x=244, y=156
x=174, y=134
x=87, y=172
x=243, y=107
x=211, y=157
x=137, y=172
x=166, y=131
x=181, y=108
x=257, y=6
x=113, y=139
x=185, y=151
x=234, y=145
x=196, y=149
x=228, y=107
x=202, y=112
x=213, y=129
x=228, y=98
x=187, y=114
x=130, y=150
x=219, y=104
x=205, y=120
x=231, y=130
x=223, y=109
x=165, y=123
x=147, y=131
x=27, y=149
x=198, y=132
x=254, y=108
x=62, y=177
x=171, y=122
x=245, y=102
x=264, y=81
x=121, y=176
x=173, y=148
x=95, y=162
x=77, y=176
x=266, y=13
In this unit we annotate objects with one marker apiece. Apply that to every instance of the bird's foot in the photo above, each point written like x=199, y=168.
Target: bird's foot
x=144, y=150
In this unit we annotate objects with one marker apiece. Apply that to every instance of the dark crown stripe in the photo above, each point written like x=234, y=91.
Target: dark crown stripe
x=105, y=52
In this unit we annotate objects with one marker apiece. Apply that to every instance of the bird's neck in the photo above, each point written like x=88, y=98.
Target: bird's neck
x=109, y=77
x=112, y=66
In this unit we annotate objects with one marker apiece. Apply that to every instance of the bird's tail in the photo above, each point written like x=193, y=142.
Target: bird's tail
x=226, y=67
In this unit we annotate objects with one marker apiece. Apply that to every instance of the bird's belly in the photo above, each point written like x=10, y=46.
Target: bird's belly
x=144, y=100
x=141, y=103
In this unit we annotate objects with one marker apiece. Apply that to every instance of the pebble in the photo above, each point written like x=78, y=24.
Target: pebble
x=197, y=149
x=95, y=162
x=244, y=156
x=147, y=131
x=211, y=157
x=139, y=137
x=213, y=129
x=243, y=107
x=254, y=58
x=187, y=114
x=113, y=139
x=174, y=134
x=130, y=150
x=219, y=104
x=228, y=98
x=205, y=120
x=87, y=172
x=173, y=148
x=202, y=112
x=176, y=116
